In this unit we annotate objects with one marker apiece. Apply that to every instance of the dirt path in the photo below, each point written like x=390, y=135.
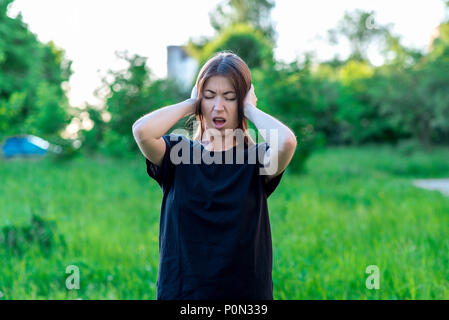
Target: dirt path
x=441, y=185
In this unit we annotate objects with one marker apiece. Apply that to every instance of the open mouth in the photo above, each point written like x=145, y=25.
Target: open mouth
x=219, y=122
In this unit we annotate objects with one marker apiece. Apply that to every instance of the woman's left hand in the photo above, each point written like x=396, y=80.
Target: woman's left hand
x=250, y=97
x=250, y=100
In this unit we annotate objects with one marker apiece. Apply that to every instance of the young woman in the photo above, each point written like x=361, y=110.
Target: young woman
x=214, y=236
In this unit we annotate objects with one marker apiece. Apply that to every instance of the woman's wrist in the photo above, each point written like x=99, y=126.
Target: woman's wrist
x=247, y=110
x=190, y=102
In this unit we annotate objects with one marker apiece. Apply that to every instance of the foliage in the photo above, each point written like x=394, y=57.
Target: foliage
x=253, y=12
x=130, y=94
x=360, y=29
x=41, y=232
x=91, y=139
x=32, y=100
x=338, y=101
x=405, y=98
x=242, y=39
x=412, y=94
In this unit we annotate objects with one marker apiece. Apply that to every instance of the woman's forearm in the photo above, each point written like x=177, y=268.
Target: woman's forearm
x=265, y=123
x=155, y=124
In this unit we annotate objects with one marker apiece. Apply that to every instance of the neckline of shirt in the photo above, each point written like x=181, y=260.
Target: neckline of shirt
x=245, y=148
x=220, y=151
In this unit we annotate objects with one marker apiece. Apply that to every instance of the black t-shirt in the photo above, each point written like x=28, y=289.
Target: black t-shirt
x=214, y=232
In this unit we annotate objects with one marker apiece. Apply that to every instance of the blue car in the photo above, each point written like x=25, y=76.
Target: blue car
x=27, y=145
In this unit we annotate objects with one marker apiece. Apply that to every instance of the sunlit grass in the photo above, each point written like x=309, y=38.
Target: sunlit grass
x=353, y=207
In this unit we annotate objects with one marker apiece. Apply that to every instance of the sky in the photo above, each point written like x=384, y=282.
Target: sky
x=91, y=31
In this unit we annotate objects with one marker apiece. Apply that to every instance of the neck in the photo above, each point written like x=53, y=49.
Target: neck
x=217, y=143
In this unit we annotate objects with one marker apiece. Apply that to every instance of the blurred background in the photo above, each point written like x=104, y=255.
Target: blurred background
x=364, y=86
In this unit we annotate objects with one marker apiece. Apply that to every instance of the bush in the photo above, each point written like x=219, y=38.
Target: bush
x=16, y=240
x=408, y=147
x=241, y=39
x=115, y=145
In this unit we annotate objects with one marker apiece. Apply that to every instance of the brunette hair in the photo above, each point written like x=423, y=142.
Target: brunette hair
x=227, y=64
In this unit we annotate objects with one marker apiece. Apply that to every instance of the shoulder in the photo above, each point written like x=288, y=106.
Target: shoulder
x=174, y=138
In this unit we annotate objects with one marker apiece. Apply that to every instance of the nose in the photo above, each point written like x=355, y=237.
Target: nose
x=218, y=103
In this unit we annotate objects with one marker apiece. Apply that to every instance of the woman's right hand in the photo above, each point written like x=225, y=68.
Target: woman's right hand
x=193, y=98
x=194, y=94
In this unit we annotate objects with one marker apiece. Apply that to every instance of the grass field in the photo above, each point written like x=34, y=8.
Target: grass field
x=353, y=207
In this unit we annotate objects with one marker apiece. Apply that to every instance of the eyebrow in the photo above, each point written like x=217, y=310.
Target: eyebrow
x=223, y=93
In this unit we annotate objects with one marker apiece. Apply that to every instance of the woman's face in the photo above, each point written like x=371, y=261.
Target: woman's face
x=219, y=101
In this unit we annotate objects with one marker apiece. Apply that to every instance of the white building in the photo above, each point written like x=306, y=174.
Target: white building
x=181, y=67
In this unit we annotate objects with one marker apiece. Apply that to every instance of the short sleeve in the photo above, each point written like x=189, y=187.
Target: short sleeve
x=165, y=173
x=271, y=185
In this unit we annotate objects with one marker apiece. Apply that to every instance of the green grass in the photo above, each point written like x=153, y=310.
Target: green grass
x=353, y=207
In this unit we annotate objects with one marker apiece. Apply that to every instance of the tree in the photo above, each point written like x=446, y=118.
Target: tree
x=360, y=29
x=230, y=13
x=242, y=39
x=395, y=54
x=31, y=76
x=129, y=94
x=254, y=12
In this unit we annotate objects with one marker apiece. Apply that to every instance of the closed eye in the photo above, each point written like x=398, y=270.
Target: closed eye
x=213, y=97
